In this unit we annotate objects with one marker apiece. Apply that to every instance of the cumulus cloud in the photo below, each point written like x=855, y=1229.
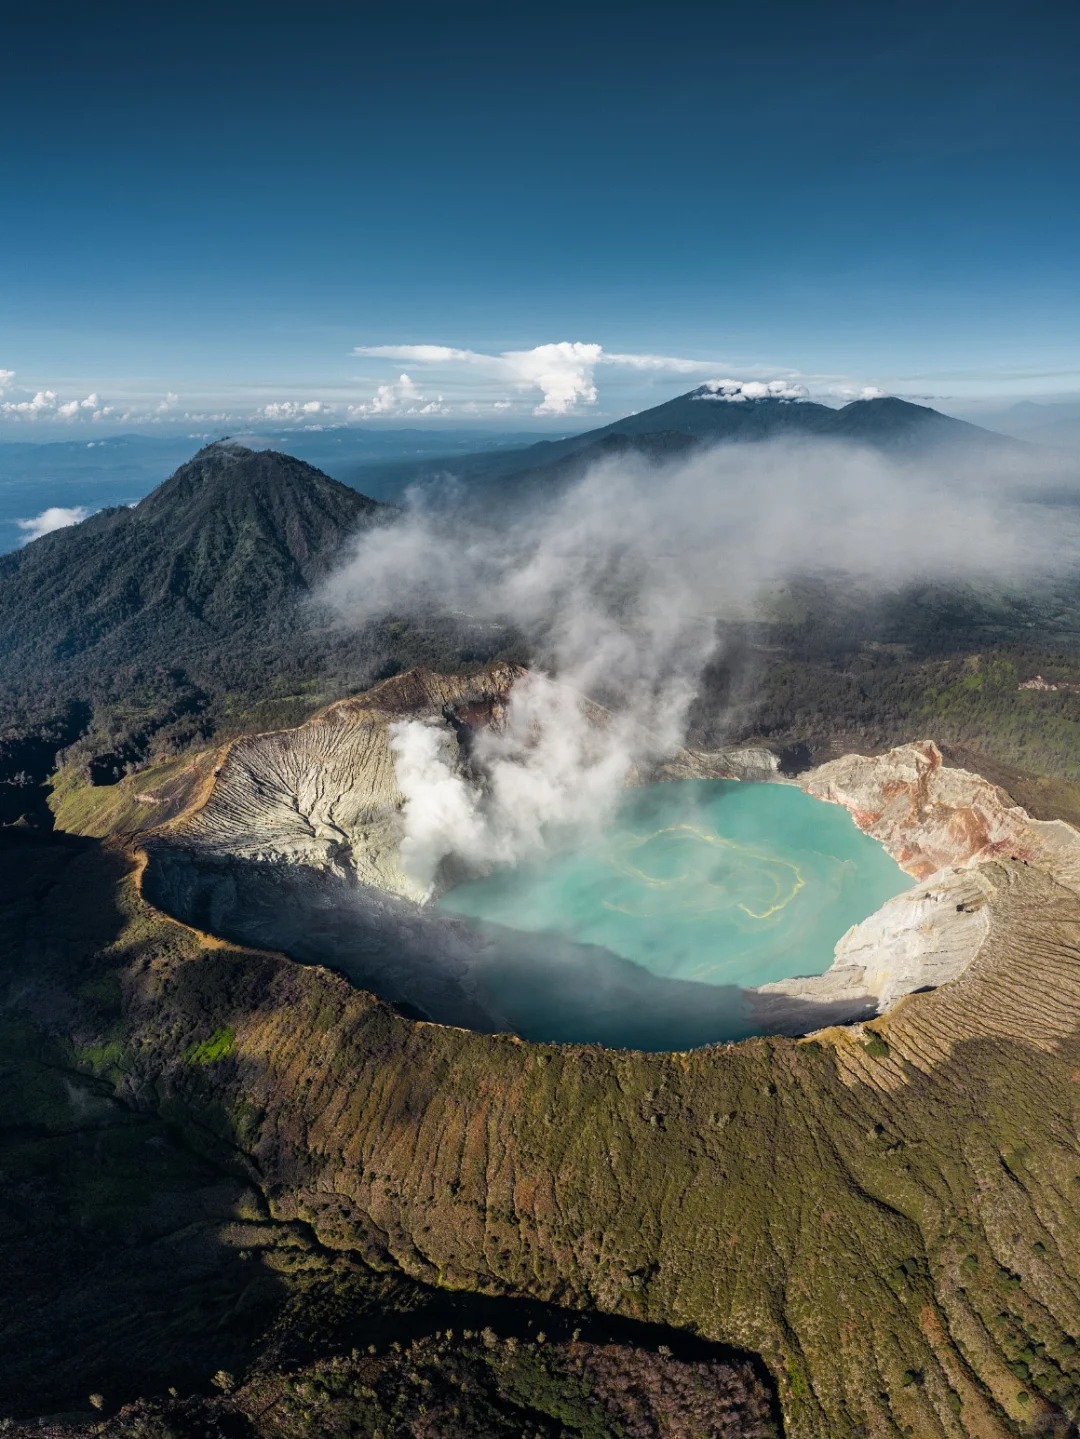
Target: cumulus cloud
x=56, y=517
x=72, y=409
x=618, y=583
x=861, y=392
x=563, y=373
x=47, y=405
x=295, y=410
x=402, y=397
x=20, y=403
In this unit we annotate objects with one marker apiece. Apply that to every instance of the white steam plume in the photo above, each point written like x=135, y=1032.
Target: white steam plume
x=552, y=770
x=618, y=582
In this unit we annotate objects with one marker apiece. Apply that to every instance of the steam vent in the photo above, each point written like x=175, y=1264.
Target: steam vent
x=708, y=912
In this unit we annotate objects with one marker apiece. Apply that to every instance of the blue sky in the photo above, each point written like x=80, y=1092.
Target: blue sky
x=209, y=211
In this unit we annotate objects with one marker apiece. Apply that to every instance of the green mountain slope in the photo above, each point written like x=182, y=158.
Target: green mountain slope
x=216, y=554
x=145, y=628
x=886, y=1216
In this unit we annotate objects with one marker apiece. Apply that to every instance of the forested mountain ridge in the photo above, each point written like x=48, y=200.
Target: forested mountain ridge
x=883, y=422
x=214, y=554
x=184, y=617
x=147, y=628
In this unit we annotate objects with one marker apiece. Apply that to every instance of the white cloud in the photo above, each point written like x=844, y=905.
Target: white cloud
x=741, y=391
x=668, y=364
x=295, y=410
x=43, y=400
x=856, y=392
x=72, y=409
x=391, y=398
x=421, y=354
x=401, y=397
x=563, y=373
x=47, y=406
x=56, y=517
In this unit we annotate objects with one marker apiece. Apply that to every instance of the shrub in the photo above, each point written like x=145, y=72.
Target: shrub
x=220, y=1043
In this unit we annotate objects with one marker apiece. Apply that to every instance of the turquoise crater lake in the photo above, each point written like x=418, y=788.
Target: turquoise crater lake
x=648, y=936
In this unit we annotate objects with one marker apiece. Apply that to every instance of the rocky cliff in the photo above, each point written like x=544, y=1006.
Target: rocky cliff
x=326, y=795
x=946, y=827
x=930, y=816
x=297, y=845
x=294, y=843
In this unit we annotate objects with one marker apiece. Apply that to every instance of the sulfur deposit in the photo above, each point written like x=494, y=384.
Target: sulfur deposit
x=886, y=1213
x=297, y=846
x=946, y=827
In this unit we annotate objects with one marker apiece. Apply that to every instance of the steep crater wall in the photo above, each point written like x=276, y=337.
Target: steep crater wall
x=297, y=847
x=946, y=827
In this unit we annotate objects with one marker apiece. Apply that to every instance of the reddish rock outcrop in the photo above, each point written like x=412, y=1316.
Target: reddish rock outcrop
x=930, y=816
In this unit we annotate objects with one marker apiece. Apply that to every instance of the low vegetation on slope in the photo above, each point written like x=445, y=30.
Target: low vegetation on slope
x=140, y=1256
x=813, y=697
x=905, y=1261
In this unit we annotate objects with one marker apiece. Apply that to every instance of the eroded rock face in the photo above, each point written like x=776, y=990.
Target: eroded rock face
x=918, y=940
x=930, y=816
x=326, y=795
x=297, y=846
x=946, y=827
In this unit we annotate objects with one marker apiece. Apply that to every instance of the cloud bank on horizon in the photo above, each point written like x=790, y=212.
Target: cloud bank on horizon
x=45, y=406
x=547, y=381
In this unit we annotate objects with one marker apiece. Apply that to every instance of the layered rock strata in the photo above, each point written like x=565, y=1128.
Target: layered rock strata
x=297, y=846
x=945, y=827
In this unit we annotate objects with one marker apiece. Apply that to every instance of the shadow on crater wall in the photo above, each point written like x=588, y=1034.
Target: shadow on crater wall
x=478, y=976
